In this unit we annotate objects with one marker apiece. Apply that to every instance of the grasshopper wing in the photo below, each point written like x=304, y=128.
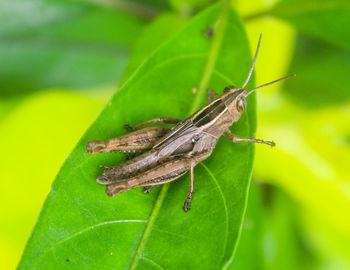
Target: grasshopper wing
x=179, y=140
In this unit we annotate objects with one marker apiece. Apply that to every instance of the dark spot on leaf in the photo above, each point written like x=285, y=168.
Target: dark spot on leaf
x=209, y=32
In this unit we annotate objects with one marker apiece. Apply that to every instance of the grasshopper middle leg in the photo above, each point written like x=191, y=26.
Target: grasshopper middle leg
x=163, y=120
x=189, y=196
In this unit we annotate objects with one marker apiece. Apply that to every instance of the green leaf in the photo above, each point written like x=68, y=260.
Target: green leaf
x=145, y=45
x=72, y=45
x=80, y=226
x=251, y=240
x=284, y=245
x=325, y=19
x=322, y=74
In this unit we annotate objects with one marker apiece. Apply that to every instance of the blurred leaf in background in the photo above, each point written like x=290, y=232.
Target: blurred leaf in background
x=324, y=74
x=63, y=43
x=325, y=19
x=313, y=144
x=283, y=242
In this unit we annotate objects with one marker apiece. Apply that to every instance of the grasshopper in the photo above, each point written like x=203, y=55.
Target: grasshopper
x=170, y=153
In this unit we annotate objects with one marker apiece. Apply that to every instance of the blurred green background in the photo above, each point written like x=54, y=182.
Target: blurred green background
x=61, y=61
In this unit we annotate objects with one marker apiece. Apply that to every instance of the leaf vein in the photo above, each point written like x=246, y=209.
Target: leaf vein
x=83, y=231
x=172, y=233
x=153, y=262
x=223, y=201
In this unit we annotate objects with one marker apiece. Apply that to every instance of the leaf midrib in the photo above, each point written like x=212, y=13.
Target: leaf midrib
x=212, y=57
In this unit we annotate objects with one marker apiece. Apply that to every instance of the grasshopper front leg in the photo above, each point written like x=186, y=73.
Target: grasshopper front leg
x=211, y=95
x=234, y=138
x=143, y=139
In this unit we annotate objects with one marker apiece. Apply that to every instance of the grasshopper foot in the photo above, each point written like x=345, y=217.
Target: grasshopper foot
x=128, y=127
x=234, y=138
x=146, y=190
x=186, y=207
x=187, y=202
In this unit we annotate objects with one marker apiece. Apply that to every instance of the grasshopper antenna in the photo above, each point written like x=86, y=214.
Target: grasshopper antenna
x=253, y=64
x=266, y=84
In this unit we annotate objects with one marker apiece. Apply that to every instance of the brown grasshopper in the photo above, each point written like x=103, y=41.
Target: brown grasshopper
x=173, y=152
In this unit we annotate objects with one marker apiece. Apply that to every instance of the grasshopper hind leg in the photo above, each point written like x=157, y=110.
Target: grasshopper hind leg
x=165, y=172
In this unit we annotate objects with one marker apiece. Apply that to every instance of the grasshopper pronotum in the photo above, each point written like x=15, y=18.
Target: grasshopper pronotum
x=173, y=152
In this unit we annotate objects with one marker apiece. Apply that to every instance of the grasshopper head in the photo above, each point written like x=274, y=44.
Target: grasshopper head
x=236, y=98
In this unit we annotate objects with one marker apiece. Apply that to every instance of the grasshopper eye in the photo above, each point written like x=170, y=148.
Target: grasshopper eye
x=241, y=104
